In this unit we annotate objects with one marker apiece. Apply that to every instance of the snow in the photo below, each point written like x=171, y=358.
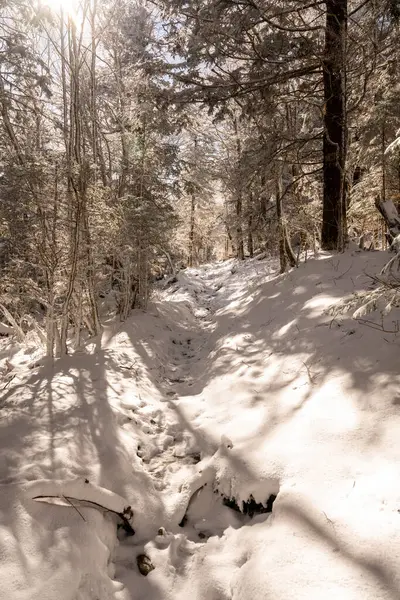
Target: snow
x=6, y=329
x=238, y=382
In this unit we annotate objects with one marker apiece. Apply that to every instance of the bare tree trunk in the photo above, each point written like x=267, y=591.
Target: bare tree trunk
x=239, y=230
x=288, y=247
x=286, y=254
x=51, y=322
x=191, y=228
x=383, y=161
x=334, y=139
x=71, y=191
x=192, y=212
x=250, y=245
x=81, y=265
x=263, y=197
x=239, y=195
x=90, y=277
x=279, y=216
x=98, y=158
x=230, y=238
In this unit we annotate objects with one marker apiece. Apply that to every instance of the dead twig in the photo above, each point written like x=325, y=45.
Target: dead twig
x=8, y=381
x=124, y=516
x=334, y=320
x=69, y=502
x=311, y=376
x=328, y=519
x=393, y=283
x=379, y=327
x=343, y=274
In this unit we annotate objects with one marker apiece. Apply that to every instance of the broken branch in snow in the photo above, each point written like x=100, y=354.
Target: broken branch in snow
x=124, y=516
x=378, y=326
x=393, y=282
x=84, y=493
x=73, y=506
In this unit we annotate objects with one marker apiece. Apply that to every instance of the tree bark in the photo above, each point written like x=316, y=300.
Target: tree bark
x=286, y=254
x=239, y=230
x=191, y=230
x=192, y=213
x=383, y=159
x=334, y=139
x=263, y=197
x=239, y=196
x=250, y=243
x=281, y=233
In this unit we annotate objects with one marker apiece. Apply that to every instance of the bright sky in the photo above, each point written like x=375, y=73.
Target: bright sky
x=69, y=7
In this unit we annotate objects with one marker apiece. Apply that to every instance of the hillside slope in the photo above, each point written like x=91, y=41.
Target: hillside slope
x=238, y=384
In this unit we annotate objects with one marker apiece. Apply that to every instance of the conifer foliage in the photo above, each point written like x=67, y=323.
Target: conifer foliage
x=138, y=137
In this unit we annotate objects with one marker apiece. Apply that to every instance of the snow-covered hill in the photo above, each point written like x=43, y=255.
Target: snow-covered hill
x=238, y=383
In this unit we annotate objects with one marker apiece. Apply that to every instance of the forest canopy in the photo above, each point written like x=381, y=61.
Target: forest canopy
x=137, y=138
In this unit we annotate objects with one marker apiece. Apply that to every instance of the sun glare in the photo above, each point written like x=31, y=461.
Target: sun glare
x=68, y=7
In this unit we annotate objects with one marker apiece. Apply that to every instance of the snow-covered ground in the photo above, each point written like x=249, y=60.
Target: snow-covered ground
x=237, y=382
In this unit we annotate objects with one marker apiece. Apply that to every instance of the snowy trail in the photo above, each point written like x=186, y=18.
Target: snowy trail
x=236, y=382
x=187, y=353
x=313, y=430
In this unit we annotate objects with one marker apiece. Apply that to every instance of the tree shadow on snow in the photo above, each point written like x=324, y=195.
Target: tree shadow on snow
x=366, y=557
x=59, y=424
x=275, y=337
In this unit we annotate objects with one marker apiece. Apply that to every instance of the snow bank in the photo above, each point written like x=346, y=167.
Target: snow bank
x=49, y=552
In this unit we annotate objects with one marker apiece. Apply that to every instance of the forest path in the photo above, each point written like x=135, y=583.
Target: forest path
x=187, y=348
x=262, y=391
x=236, y=381
x=172, y=438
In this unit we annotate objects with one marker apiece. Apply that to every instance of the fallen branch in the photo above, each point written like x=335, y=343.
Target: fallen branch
x=124, y=516
x=73, y=506
x=393, y=283
x=378, y=327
